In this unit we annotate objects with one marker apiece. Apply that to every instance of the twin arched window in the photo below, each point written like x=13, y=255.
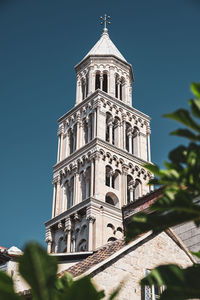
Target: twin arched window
x=101, y=82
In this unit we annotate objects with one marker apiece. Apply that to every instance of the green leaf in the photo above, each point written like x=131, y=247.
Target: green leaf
x=7, y=288
x=179, y=283
x=195, y=107
x=195, y=88
x=115, y=293
x=197, y=254
x=186, y=133
x=40, y=271
x=82, y=289
x=183, y=116
x=64, y=283
x=152, y=168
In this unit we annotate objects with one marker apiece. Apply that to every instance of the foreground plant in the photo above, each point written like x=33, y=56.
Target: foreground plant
x=178, y=204
x=40, y=271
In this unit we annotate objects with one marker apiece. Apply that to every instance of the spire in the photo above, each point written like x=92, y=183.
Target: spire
x=105, y=46
x=104, y=21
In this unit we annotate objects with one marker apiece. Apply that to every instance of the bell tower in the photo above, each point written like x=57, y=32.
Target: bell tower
x=103, y=143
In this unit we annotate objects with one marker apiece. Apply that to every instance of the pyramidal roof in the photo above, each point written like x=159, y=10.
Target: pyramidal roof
x=105, y=46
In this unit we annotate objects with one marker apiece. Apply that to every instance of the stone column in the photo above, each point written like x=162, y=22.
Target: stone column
x=118, y=88
x=58, y=153
x=101, y=81
x=76, y=192
x=130, y=142
x=110, y=125
x=148, y=144
x=94, y=123
x=78, y=90
x=67, y=231
x=131, y=189
x=111, y=90
x=92, y=178
x=124, y=130
x=91, y=221
x=96, y=173
x=49, y=239
x=58, y=196
x=89, y=129
x=124, y=185
x=90, y=79
x=78, y=131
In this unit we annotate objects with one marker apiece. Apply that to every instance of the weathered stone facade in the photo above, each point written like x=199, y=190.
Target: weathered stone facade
x=103, y=143
x=130, y=263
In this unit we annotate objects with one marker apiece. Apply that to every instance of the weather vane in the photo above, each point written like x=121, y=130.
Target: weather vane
x=105, y=20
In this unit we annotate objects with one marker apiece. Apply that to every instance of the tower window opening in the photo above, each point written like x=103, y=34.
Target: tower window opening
x=71, y=142
x=97, y=82
x=105, y=83
x=108, y=178
x=83, y=87
x=120, y=91
x=109, y=200
x=116, y=87
x=87, y=83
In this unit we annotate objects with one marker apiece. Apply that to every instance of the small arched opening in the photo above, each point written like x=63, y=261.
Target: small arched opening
x=112, y=199
x=97, y=81
x=111, y=239
x=105, y=82
x=82, y=246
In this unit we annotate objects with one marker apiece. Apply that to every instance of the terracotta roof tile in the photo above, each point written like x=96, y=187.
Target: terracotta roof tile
x=99, y=255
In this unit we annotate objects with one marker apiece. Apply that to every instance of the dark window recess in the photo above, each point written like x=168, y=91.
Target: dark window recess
x=105, y=83
x=97, y=82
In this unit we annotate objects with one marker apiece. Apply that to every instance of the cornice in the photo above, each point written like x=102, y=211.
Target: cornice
x=94, y=146
x=96, y=96
x=88, y=203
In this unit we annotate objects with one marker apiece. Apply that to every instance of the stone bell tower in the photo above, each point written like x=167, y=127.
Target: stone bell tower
x=103, y=143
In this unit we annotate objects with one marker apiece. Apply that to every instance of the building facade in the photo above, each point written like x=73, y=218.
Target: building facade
x=103, y=143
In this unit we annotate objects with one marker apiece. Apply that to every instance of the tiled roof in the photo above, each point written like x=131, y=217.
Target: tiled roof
x=99, y=255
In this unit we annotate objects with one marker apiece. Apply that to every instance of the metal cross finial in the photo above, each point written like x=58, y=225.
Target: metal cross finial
x=104, y=20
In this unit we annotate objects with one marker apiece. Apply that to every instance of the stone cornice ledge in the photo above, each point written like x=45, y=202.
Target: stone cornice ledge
x=84, y=204
x=107, y=97
x=90, y=146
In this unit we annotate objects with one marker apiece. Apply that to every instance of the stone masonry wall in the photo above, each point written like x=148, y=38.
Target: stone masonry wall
x=130, y=267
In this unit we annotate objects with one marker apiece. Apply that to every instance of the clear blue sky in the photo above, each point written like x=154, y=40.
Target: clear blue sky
x=40, y=43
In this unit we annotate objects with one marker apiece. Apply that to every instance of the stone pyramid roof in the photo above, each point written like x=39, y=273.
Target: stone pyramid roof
x=105, y=46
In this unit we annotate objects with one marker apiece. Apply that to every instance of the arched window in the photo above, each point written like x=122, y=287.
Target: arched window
x=61, y=245
x=115, y=132
x=109, y=225
x=82, y=246
x=83, y=88
x=71, y=141
x=115, y=180
x=111, y=239
x=109, y=128
x=112, y=199
x=85, y=132
x=90, y=128
x=135, y=141
x=128, y=137
x=105, y=83
x=120, y=90
x=129, y=179
x=108, y=178
x=116, y=85
x=97, y=81
x=83, y=186
x=138, y=189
